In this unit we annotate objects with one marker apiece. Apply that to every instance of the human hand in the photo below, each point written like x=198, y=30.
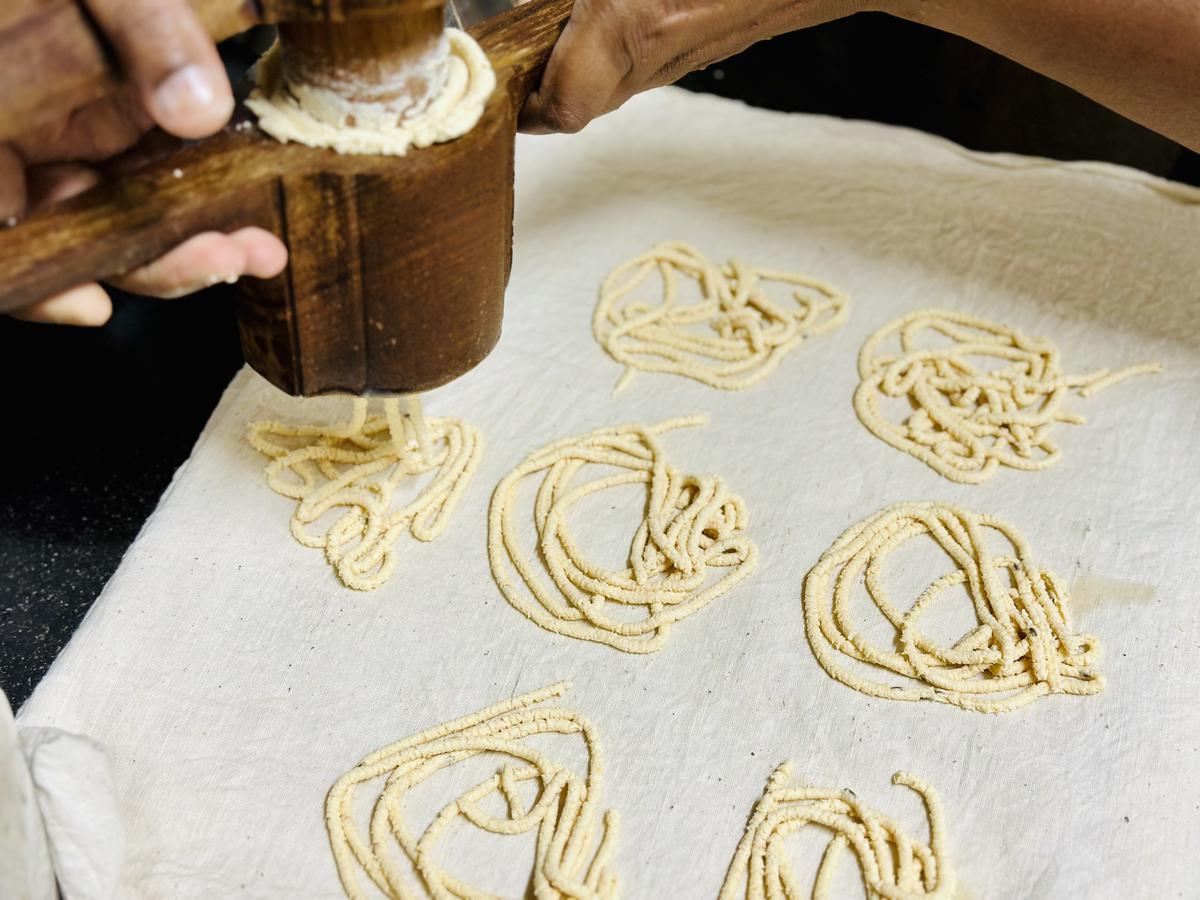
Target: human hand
x=612, y=49
x=177, y=81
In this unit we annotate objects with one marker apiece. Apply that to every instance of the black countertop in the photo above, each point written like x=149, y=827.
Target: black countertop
x=97, y=421
x=95, y=424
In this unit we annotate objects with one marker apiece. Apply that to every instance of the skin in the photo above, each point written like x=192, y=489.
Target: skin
x=1140, y=57
x=177, y=81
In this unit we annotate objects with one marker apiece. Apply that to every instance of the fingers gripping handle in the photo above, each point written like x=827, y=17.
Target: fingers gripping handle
x=133, y=219
x=53, y=60
x=519, y=43
x=226, y=182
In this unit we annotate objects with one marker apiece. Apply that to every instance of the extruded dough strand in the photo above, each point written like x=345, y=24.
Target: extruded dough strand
x=693, y=525
x=967, y=420
x=893, y=865
x=356, y=468
x=575, y=841
x=1022, y=649
x=751, y=332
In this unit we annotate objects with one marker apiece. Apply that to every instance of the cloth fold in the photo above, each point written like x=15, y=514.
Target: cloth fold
x=25, y=869
x=60, y=829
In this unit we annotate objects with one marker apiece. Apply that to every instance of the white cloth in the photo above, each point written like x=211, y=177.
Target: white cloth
x=60, y=828
x=25, y=869
x=233, y=680
x=79, y=808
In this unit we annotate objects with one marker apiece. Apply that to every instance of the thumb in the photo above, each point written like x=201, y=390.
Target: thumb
x=585, y=69
x=171, y=62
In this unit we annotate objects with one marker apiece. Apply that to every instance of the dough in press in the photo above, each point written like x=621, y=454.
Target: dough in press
x=354, y=470
x=321, y=118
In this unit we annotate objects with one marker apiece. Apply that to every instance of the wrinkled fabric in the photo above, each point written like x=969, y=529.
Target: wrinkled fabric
x=78, y=803
x=233, y=680
x=25, y=869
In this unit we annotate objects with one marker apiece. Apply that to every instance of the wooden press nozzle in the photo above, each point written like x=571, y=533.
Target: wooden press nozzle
x=398, y=264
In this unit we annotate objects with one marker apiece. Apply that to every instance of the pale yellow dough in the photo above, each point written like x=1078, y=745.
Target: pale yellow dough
x=693, y=529
x=974, y=395
x=320, y=118
x=893, y=865
x=734, y=337
x=354, y=470
x=575, y=837
x=1023, y=647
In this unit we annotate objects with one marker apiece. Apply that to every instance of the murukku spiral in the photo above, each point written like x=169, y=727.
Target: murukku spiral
x=575, y=839
x=694, y=528
x=734, y=337
x=893, y=865
x=1022, y=648
x=977, y=395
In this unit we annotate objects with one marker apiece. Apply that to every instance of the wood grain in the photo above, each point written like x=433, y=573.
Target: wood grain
x=382, y=55
x=398, y=266
x=398, y=271
x=53, y=61
x=519, y=42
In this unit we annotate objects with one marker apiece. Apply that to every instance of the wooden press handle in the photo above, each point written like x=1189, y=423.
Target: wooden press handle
x=136, y=217
x=519, y=42
x=226, y=182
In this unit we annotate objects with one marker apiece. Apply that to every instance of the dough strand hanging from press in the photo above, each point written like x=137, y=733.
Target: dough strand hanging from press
x=354, y=470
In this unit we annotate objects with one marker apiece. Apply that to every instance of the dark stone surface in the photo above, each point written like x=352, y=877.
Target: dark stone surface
x=96, y=422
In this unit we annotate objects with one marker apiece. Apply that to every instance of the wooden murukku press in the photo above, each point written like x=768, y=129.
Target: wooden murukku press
x=398, y=264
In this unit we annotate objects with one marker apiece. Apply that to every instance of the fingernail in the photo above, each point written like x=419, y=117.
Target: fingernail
x=185, y=94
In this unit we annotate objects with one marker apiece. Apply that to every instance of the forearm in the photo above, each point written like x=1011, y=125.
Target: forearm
x=1139, y=57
